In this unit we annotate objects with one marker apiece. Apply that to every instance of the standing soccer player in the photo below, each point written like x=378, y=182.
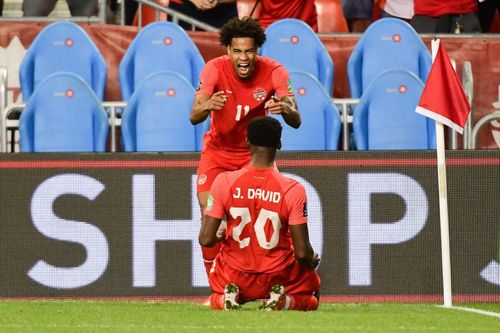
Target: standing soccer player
x=234, y=89
x=266, y=250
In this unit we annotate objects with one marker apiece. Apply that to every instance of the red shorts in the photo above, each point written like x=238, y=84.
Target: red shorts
x=296, y=279
x=213, y=162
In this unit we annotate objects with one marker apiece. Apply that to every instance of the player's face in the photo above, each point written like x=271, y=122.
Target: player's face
x=243, y=53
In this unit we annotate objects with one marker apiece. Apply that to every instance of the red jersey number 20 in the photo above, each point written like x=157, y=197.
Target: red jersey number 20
x=260, y=222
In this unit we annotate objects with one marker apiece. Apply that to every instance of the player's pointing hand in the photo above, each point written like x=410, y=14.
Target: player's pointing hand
x=274, y=105
x=218, y=100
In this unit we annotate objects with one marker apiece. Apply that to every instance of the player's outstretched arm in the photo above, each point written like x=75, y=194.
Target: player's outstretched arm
x=287, y=107
x=304, y=253
x=204, y=104
x=208, y=231
x=291, y=114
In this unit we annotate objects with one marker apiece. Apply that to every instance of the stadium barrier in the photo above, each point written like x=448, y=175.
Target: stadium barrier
x=126, y=225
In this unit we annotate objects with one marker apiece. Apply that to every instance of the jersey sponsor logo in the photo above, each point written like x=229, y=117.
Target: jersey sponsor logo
x=304, y=209
x=210, y=202
x=259, y=94
x=202, y=179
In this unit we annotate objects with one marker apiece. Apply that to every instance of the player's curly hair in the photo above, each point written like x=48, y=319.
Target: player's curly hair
x=244, y=27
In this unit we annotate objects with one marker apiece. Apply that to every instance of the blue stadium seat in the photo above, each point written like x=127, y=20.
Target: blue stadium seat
x=385, y=118
x=63, y=115
x=321, y=123
x=158, y=47
x=157, y=116
x=295, y=45
x=62, y=47
x=388, y=43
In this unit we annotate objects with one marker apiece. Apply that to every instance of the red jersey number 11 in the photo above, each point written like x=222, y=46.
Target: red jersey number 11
x=240, y=108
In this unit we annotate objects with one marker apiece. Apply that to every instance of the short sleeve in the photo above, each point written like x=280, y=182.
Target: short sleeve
x=208, y=79
x=296, y=202
x=281, y=81
x=217, y=196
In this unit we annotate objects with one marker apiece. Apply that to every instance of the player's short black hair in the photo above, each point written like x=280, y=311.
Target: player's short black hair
x=264, y=131
x=240, y=28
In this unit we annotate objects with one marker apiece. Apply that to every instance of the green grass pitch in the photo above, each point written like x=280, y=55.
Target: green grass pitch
x=142, y=316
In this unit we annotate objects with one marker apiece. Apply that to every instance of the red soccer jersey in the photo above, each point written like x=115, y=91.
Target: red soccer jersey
x=274, y=10
x=259, y=205
x=245, y=99
x=435, y=8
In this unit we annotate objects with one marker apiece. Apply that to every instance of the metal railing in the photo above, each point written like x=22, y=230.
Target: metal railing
x=114, y=121
x=3, y=95
x=110, y=107
x=6, y=123
x=345, y=103
x=468, y=85
x=176, y=16
x=480, y=124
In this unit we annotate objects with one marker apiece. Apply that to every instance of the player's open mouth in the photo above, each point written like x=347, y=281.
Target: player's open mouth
x=243, y=68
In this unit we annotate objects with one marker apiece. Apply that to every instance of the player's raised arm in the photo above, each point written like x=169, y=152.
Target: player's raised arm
x=287, y=108
x=286, y=104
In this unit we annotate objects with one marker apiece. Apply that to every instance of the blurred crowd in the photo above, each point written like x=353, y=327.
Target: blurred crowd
x=426, y=16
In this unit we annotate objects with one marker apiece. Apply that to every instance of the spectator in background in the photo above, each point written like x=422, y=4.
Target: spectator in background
x=234, y=89
x=276, y=262
x=358, y=14
x=487, y=10
x=274, y=10
x=444, y=16
x=86, y=8
x=402, y=9
x=129, y=12
x=213, y=12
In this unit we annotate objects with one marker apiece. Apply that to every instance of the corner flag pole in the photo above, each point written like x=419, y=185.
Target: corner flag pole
x=443, y=202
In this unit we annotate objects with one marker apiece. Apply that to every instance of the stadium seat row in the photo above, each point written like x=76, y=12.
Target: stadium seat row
x=163, y=48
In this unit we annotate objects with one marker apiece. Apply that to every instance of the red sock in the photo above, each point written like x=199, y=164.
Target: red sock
x=217, y=301
x=209, y=254
x=303, y=302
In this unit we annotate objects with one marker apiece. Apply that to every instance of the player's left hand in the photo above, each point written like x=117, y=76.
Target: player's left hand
x=275, y=106
x=315, y=260
x=221, y=232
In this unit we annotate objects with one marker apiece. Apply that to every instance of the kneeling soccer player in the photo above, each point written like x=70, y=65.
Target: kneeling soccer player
x=266, y=253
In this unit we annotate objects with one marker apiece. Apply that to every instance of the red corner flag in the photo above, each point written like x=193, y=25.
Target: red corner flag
x=443, y=98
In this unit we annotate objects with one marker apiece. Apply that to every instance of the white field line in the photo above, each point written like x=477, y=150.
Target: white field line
x=483, y=312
